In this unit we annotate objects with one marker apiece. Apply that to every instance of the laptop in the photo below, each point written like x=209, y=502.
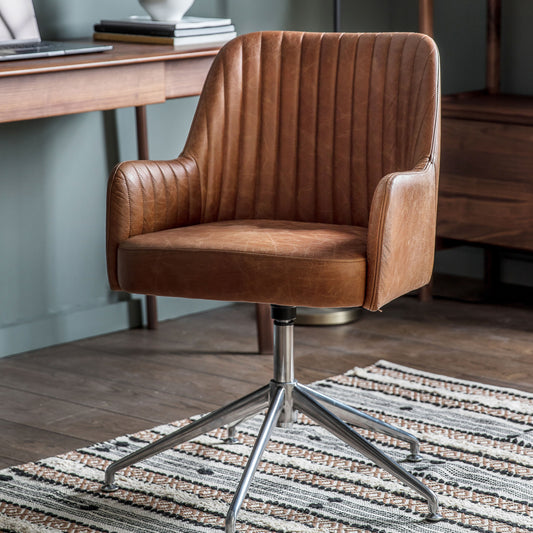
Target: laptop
x=20, y=37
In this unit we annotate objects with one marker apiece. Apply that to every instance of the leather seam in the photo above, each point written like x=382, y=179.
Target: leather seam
x=297, y=149
x=236, y=177
x=409, y=149
x=352, y=122
x=399, y=156
x=383, y=106
x=221, y=180
x=167, y=195
x=141, y=188
x=428, y=104
x=130, y=217
x=381, y=224
x=316, y=187
x=334, y=130
x=276, y=208
x=276, y=256
x=190, y=186
x=367, y=134
x=257, y=177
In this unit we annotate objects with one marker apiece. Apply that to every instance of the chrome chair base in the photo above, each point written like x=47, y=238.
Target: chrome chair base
x=282, y=398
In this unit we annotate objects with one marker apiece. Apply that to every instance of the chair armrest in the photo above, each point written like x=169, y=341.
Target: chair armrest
x=401, y=235
x=147, y=196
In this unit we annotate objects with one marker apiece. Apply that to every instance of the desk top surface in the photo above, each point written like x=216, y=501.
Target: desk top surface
x=122, y=54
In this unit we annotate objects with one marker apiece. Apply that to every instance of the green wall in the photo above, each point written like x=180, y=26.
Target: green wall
x=54, y=171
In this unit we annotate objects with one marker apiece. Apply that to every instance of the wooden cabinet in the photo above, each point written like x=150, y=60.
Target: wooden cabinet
x=486, y=184
x=486, y=188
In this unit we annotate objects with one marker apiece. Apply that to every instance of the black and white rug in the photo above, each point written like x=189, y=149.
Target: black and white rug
x=477, y=443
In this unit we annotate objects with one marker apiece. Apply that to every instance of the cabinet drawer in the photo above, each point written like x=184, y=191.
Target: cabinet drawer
x=486, y=184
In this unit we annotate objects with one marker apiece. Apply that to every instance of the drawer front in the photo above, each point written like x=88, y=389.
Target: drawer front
x=486, y=184
x=77, y=91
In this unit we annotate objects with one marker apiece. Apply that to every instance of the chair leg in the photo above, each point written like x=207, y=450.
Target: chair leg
x=232, y=429
x=263, y=437
x=309, y=406
x=362, y=420
x=251, y=404
x=284, y=396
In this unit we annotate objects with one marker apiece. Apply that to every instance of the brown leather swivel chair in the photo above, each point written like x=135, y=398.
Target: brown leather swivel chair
x=309, y=178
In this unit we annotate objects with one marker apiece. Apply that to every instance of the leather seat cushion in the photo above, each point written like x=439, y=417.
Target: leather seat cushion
x=261, y=261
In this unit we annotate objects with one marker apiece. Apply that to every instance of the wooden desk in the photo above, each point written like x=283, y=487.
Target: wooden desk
x=130, y=75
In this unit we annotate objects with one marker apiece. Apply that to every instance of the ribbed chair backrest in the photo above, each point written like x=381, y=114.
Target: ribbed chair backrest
x=302, y=126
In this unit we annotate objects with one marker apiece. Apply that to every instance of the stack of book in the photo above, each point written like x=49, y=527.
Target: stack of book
x=189, y=33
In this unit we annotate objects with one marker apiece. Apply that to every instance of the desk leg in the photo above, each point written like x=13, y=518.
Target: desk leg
x=142, y=152
x=425, y=17
x=264, y=328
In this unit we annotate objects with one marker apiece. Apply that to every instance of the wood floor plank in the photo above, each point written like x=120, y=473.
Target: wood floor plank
x=470, y=333
x=211, y=378
x=65, y=418
x=233, y=332
x=484, y=343
x=135, y=371
x=147, y=403
x=369, y=347
x=6, y=461
x=21, y=443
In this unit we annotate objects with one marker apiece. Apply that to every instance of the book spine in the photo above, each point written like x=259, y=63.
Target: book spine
x=180, y=43
x=132, y=38
x=185, y=23
x=159, y=32
x=149, y=31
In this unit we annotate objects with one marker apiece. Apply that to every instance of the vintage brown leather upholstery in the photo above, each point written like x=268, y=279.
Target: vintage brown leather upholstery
x=309, y=178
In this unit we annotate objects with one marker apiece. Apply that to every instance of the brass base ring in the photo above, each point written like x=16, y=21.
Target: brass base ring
x=327, y=316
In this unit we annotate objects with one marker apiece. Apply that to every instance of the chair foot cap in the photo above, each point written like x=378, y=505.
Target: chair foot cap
x=413, y=458
x=434, y=517
x=109, y=488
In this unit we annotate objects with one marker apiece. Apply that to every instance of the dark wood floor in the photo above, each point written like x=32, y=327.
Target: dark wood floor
x=64, y=397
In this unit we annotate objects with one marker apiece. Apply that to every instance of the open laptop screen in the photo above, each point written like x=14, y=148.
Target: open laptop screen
x=20, y=37
x=17, y=21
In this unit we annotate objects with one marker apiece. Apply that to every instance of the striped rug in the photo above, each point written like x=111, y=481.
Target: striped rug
x=476, y=441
